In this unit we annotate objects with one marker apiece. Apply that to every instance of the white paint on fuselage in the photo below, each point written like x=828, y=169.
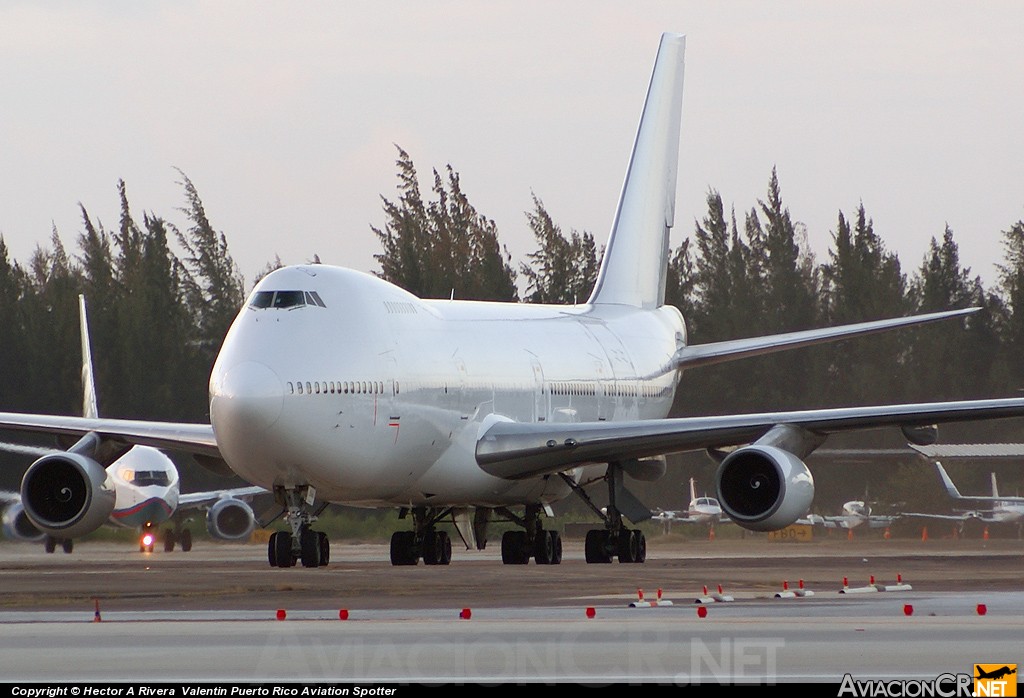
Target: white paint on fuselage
x=379, y=397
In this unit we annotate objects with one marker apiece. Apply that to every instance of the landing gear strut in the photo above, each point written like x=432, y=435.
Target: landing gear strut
x=615, y=539
x=312, y=548
x=425, y=540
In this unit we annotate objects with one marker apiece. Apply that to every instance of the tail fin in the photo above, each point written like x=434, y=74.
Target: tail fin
x=693, y=490
x=995, y=488
x=89, y=408
x=635, y=261
x=947, y=482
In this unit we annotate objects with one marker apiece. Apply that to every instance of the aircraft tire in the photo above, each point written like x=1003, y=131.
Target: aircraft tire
x=325, y=548
x=50, y=544
x=169, y=540
x=186, y=540
x=310, y=547
x=283, y=549
x=68, y=545
x=515, y=548
x=544, y=548
x=272, y=549
x=556, y=547
x=403, y=551
x=596, y=546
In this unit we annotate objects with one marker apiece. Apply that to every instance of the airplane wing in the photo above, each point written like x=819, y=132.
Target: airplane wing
x=966, y=516
x=717, y=352
x=516, y=450
x=199, y=500
x=197, y=439
x=9, y=497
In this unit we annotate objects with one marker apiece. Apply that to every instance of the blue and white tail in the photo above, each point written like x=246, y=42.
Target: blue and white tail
x=635, y=261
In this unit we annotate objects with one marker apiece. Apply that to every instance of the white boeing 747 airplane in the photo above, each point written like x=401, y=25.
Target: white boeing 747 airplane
x=143, y=482
x=334, y=385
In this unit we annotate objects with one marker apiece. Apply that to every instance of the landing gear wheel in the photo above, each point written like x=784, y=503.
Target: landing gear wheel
x=403, y=548
x=309, y=541
x=544, y=548
x=325, y=548
x=641, y=545
x=628, y=545
x=169, y=540
x=596, y=546
x=50, y=544
x=68, y=545
x=272, y=549
x=556, y=547
x=186, y=540
x=515, y=548
x=437, y=548
x=283, y=549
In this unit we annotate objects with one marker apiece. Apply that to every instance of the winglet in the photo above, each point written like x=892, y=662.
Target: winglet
x=635, y=262
x=89, y=409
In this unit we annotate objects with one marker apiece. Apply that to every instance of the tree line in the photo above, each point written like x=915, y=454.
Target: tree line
x=736, y=274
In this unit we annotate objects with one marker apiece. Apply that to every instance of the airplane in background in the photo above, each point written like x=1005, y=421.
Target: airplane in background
x=335, y=386
x=855, y=513
x=142, y=482
x=702, y=510
x=987, y=509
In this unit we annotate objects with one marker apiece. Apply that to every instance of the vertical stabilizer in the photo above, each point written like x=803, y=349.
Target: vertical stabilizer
x=89, y=408
x=995, y=488
x=951, y=489
x=635, y=259
x=693, y=490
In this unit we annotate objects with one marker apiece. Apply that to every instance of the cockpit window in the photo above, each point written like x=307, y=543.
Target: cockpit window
x=144, y=478
x=285, y=299
x=262, y=299
x=288, y=299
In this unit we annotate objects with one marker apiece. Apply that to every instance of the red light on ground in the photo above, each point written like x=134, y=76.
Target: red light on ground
x=908, y=610
x=702, y=611
x=466, y=613
x=281, y=614
x=982, y=609
x=343, y=614
x=591, y=612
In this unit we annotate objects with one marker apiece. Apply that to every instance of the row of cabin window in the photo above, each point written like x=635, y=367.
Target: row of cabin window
x=339, y=388
x=559, y=388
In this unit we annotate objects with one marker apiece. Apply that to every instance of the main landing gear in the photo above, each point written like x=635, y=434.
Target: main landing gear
x=312, y=548
x=177, y=536
x=517, y=547
x=51, y=543
x=425, y=540
x=615, y=539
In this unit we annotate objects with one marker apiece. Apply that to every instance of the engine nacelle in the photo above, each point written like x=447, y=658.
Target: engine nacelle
x=230, y=519
x=764, y=488
x=17, y=525
x=67, y=495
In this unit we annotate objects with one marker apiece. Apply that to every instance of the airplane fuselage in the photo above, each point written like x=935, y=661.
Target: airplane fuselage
x=339, y=380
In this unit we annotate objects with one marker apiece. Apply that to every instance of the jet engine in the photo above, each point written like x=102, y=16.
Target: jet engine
x=67, y=495
x=17, y=525
x=764, y=488
x=230, y=519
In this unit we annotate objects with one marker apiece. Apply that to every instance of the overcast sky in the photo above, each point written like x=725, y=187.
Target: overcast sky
x=286, y=115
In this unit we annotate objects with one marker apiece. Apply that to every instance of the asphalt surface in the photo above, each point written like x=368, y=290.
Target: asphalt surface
x=217, y=576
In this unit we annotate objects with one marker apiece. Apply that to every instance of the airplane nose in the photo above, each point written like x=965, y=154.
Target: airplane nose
x=247, y=399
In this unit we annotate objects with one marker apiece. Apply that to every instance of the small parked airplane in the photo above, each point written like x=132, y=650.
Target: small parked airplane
x=143, y=483
x=703, y=510
x=855, y=513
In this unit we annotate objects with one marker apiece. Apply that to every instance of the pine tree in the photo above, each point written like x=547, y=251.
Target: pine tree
x=561, y=270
